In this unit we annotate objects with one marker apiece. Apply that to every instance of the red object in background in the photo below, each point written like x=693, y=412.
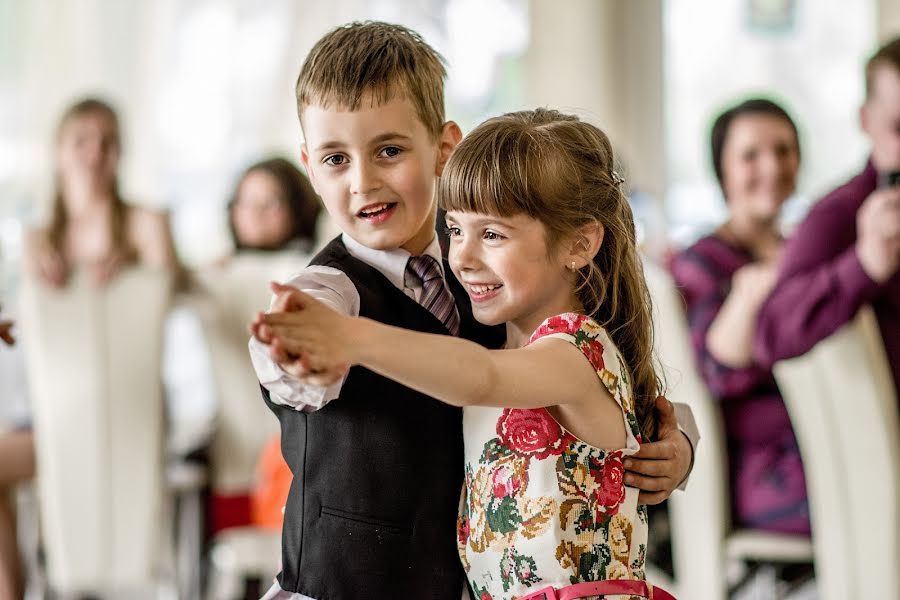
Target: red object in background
x=229, y=511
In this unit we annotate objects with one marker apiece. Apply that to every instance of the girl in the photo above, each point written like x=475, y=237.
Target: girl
x=543, y=239
x=90, y=227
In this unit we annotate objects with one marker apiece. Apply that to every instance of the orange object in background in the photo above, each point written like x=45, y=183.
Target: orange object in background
x=273, y=483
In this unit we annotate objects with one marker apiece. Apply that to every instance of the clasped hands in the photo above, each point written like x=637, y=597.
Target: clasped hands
x=306, y=338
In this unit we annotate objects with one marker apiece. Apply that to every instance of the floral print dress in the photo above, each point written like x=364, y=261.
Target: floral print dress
x=541, y=507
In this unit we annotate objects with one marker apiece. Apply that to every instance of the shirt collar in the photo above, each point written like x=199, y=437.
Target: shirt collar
x=390, y=263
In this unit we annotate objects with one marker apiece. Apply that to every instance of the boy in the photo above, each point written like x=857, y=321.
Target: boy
x=377, y=467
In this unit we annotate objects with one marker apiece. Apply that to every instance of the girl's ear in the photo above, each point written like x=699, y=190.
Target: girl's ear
x=585, y=244
x=450, y=137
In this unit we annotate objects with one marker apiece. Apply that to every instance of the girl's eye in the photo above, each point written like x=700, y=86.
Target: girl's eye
x=335, y=160
x=492, y=235
x=453, y=231
x=391, y=151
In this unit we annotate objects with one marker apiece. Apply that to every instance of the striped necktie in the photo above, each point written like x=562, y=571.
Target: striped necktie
x=436, y=298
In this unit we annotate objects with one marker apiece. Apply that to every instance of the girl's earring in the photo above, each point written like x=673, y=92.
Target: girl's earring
x=572, y=266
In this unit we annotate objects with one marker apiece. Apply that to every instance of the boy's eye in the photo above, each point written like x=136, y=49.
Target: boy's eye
x=390, y=151
x=335, y=160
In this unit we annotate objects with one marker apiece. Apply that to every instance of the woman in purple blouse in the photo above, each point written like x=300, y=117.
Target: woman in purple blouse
x=724, y=278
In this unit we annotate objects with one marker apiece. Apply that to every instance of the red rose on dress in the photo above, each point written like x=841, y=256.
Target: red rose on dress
x=593, y=350
x=486, y=596
x=557, y=324
x=462, y=530
x=611, y=492
x=531, y=432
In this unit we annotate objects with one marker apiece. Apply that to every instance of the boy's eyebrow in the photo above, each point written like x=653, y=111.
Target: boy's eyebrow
x=390, y=135
x=378, y=139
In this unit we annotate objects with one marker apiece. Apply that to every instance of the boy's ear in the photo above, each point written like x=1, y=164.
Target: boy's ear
x=304, y=159
x=586, y=242
x=451, y=135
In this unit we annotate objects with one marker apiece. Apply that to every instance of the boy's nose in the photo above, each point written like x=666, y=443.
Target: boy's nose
x=365, y=178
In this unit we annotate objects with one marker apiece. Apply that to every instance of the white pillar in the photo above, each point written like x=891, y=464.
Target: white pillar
x=887, y=19
x=602, y=59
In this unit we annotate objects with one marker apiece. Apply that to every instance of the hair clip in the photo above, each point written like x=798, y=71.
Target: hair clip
x=618, y=179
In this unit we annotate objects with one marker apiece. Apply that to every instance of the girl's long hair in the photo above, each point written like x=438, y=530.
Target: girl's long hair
x=559, y=170
x=59, y=217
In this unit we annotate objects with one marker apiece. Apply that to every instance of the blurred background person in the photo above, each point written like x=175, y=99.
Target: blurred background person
x=14, y=468
x=724, y=278
x=274, y=207
x=846, y=252
x=92, y=228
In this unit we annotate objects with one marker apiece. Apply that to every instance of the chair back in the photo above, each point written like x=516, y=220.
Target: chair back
x=843, y=406
x=231, y=296
x=93, y=367
x=699, y=515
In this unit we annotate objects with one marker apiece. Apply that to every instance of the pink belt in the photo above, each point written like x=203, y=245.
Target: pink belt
x=600, y=588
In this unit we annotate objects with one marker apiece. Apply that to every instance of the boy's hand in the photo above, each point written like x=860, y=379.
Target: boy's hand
x=658, y=468
x=305, y=337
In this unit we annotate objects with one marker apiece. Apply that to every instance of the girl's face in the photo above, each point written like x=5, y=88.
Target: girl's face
x=760, y=160
x=260, y=214
x=88, y=151
x=506, y=268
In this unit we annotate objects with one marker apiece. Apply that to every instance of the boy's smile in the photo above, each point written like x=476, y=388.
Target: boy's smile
x=375, y=169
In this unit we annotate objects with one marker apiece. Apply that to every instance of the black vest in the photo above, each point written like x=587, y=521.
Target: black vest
x=378, y=471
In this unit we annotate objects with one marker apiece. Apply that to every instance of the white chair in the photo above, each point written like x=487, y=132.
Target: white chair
x=93, y=366
x=704, y=547
x=231, y=295
x=843, y=405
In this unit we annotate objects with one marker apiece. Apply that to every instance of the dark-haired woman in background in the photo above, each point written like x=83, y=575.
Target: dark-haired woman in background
x=724, y=278
x=274, y=208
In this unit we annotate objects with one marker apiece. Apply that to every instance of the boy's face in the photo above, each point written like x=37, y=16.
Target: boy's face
x=375, y=169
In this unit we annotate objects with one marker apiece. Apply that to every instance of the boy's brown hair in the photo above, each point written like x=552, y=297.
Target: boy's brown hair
x=378, y=58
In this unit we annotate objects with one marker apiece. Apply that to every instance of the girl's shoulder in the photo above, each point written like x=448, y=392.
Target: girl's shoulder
x=587, y=335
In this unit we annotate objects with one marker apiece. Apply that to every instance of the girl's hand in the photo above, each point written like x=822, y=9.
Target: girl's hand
x=43, y=261
x=307, y=338
x=105, y=270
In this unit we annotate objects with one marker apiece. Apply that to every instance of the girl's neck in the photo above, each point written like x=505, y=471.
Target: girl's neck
x=85, y=201
x=519, y=331
x=759, y=237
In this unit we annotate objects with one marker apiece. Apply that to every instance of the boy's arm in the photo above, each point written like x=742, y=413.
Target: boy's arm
x=333, y=288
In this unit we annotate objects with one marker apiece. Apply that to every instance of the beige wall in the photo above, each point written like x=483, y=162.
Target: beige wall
x=888, y=12
x=603, y=60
